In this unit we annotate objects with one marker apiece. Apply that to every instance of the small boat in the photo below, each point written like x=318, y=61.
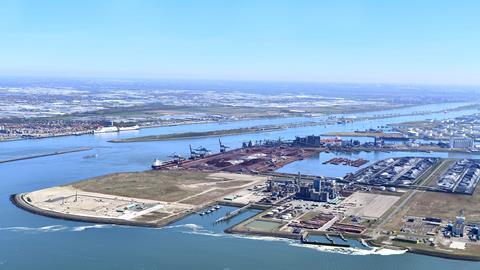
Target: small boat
x=90, y=156
x=217, y=207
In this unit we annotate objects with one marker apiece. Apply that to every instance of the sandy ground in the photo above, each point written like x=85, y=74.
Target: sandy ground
x=69, y=200
x=368, y=205
x=147, y=196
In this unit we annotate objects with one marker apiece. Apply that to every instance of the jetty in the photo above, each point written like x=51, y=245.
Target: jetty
x=61, y=152
x=233, y=213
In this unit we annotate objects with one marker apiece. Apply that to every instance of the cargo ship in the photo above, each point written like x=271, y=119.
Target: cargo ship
x=157, y=164
x=106, y=129
x=115, y=129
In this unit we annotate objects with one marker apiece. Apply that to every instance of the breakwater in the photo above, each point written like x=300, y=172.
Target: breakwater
x=61, y=152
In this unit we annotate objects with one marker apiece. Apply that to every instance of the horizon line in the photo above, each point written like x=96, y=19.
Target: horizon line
x=160, y=79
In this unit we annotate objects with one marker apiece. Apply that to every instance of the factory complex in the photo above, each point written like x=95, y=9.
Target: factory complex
x=403, y=171
x=462, y=177
x=460, y=132
x=382, y=204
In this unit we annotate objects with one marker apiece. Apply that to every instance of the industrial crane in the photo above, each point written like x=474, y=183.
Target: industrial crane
x=223, y=148
x=177, y=158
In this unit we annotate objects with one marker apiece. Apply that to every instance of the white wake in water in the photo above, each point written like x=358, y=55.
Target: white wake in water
x=52, y=228
x=351, y=250
x=55, y=228
x=206, y=233
x=200, y=230
x=96, y=226
x=194, y=229
x=263, y=238
x=188, y=226
x=197, y=229
x=386, y=251
x=332, y=249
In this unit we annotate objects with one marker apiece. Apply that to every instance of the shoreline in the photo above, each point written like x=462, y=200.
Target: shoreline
x=195, y=135
x=450, y=256
x=387, y=108
x=216, y=133
x=18, y=201
x=431, y=253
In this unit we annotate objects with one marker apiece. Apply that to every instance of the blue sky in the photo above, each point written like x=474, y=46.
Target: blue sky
x=407, y=41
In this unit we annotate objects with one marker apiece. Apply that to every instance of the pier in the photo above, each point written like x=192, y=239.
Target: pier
x=62, y=152
x=233, y=213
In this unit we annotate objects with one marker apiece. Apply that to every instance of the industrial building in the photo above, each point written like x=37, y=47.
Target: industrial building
x=461, y=128
x=457, y=229
x=461, y=142
x=474, y=233
x=403, y=171
x=382, y=140
x=310, y=141
x=320, y=190
x=462, y=177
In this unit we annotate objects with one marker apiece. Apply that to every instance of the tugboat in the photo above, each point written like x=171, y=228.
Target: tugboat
x=157, y=164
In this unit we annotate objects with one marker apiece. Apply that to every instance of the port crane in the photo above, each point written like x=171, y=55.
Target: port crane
x=247, y=144
x=193, y=154
x=202, y=151
x=177, y=158
x=223, y=147
x=199, y=152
